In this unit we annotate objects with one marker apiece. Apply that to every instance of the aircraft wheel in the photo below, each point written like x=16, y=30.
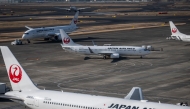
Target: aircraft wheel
x=28, y=40
x=141, y=57
x=46, y=38
x=104, y=56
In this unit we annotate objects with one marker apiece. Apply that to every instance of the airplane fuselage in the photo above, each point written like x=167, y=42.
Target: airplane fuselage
x=47, y=32
x=121, y=50
x=181, y=37
x=42, y=99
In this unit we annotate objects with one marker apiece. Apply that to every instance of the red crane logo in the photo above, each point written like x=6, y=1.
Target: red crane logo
x=15, y=73
x=66, y=40
x=174, y=30
x=75, y=21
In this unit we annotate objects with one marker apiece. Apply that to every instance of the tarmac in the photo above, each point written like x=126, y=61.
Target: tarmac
x=162, y=75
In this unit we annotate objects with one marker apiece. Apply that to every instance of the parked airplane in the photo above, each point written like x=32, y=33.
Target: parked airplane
x=73, y=8
x=26, y=93
x=50, y=32
x=105, y=51
x=177, y=35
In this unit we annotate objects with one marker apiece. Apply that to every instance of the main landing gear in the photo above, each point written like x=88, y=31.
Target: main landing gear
x=46, y=38
x=28, y=40
x=104, y=57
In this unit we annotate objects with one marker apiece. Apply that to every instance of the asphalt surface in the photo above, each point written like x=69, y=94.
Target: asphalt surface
x=162, y=75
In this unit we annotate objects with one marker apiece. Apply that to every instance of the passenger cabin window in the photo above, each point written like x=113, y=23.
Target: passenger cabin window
x=70, y=105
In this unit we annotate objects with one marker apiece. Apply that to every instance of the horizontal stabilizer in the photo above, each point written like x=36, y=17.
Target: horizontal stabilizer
x=10, y=97
x=29, y=28
x=135, y=94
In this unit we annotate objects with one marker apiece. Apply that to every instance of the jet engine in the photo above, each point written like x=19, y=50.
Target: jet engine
x=57, y=37
x=149, y=47
x=144, y=46
x=114, y=55
x=182, y=104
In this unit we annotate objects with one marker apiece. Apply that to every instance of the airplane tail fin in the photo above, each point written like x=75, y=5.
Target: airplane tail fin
x=173, y=28
x=67, y=41
x=135, y=94
x=75, y=19
x=18, y=78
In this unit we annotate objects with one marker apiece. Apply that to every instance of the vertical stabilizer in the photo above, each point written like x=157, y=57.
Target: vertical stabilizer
x=75, y=19
x=135, y=94
x=18, y=78
x=67, y=41
x=173, y=28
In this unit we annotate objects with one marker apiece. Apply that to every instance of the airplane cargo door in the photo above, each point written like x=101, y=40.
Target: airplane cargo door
x=36, y=102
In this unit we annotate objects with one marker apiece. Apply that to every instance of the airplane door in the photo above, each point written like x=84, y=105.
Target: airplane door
x=29, y=101
x=36, y=102
x=140, y=51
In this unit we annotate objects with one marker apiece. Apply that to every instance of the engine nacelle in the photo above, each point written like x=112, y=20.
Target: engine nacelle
x=144, y=46
x=58, y=37
x=149, y=47
x=114, y=55
x=182, y=104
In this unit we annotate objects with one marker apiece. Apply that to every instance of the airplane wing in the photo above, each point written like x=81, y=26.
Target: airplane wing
x=68, y=9
x=91, y=51
x=83, y=8
x=11, y=97
x=29, y=27
x=135, y=94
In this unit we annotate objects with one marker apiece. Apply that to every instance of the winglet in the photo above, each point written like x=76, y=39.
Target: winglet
x=90, y=50
x=135, y=94
x=28, y=27
x=93, y=43
x=18, y=78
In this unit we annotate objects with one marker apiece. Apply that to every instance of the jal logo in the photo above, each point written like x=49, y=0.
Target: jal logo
x=15, y=73
x=66, y=40
x=174, y=30
x=75, y=21
x=118, y=106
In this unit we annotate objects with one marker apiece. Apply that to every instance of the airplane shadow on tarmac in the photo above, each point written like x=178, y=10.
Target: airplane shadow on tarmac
x=187, y=45
x=122, y=58
x=5, y=100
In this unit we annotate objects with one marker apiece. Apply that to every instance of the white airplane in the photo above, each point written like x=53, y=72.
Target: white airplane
x=26, y=93
x=177, y=35
x=50, y=32
x=73, y=8
x=105, y=51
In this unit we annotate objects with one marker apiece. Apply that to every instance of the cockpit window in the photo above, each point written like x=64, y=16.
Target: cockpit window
x=26, y=33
